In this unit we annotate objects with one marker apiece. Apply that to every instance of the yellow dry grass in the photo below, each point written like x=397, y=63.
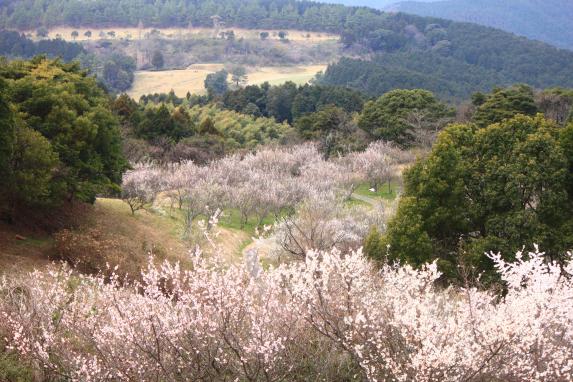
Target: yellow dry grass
x=178, y=33
x=192, y=79
x=23, y=255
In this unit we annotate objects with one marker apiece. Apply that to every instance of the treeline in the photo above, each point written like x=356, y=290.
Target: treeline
x=14, y=44
x=288, y=102
x=113, y=68
x=341, y=119
x=469, y=58
x=265, y=14
x=165, y=129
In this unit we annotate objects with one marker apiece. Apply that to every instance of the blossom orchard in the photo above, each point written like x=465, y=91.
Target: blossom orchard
x=332, y=316
x=262, y=183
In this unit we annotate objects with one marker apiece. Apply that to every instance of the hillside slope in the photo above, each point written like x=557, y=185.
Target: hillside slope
x=450, y=58
x=544, y=20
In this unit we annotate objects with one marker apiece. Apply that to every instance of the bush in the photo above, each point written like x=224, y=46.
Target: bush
x=484, y=189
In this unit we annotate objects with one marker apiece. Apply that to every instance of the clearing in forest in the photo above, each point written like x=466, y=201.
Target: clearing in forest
x=179, y=33
x=192, y=79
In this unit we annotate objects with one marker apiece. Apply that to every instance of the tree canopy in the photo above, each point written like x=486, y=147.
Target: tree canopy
x=66, y=141
x=503, y=104
x=400, y=115
x=485, y=189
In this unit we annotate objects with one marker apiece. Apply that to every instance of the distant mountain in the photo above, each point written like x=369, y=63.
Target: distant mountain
x=544, y=20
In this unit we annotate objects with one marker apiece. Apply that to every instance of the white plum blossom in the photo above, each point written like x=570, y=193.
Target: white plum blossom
x=237, y=322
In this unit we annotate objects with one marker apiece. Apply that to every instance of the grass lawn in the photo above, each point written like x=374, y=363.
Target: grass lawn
x=353, y=202
x=232, y=219
x=383, y=191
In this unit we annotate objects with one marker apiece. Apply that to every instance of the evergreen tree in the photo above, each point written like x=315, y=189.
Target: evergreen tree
x=73, y=138
x=496, y=188
x=157, y=60
x=397, y=116
x=504, y=104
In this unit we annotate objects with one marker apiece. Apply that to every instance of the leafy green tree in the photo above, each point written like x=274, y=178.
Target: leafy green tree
x=503, y=104
x=399, y=115
x=252, y=109
x=280, y=100
x=88, y=34
x=497, y=188
x=239, y=75
x=33, y=167
x=333, y=128
x=216, y=83
x=157, y=122
x=264, y=35
x=325, y=121
x=157, y=60
x=27, y=164
x=75, y=34
x=60, y=103
x=118, y=72
x=7, y=134
x=373, y=242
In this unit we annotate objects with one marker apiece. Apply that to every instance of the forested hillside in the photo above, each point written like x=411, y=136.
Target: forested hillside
x=378, y=4
x=453, y=60
x=544, y=20
x=449, y=58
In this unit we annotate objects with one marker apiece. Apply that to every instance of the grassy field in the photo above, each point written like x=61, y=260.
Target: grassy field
x=179, y=33
x=385, y=191
x=192, y=79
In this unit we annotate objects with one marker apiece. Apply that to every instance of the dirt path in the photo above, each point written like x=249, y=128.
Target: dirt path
x=265, y=247
x=366, y=199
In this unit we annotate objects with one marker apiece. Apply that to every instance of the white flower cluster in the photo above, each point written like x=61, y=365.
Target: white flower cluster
x=219, y=323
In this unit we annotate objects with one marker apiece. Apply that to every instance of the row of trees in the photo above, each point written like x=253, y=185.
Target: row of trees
x=451, y=59
x=342, y=122
x=288, y=102
x=13, y=44
x=332, y=317
x=60, y=141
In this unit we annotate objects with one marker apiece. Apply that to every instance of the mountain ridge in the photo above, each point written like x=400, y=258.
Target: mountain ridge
x=543, y=20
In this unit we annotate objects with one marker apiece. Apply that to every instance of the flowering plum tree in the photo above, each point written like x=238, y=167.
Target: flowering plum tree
x=275, y=181
x=141, y=185
x=227, y=323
